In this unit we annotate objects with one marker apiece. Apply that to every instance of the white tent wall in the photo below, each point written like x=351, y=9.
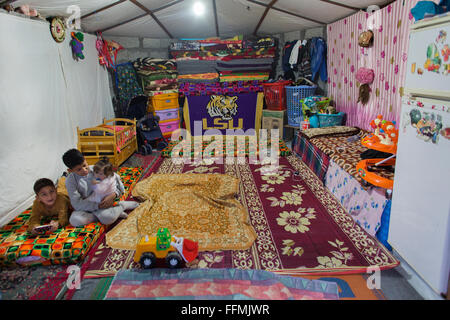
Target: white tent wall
x=45, y=96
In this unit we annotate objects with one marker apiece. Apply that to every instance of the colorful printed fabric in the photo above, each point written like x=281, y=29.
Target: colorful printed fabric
x=256, y=43
x=365, y=206
x=244, y=76
x=226, y=55
x=246, y=151
x=302, y=229
x=66, y=245
x=223, y=88
x=212, y=76
x=315, y=159
x=151, y=64
x=347, y=153
x=126, y=84
x=205, y=46
x=213, y=284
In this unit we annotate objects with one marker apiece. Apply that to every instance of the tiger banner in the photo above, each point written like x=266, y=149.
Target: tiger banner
x=226, y=115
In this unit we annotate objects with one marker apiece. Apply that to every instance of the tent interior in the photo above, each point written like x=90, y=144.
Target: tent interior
x=336, y=82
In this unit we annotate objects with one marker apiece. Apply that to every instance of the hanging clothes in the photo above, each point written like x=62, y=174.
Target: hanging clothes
x=127, y=86
x=287, y=50
x=294, y=54
x=318, y=52
x=304, y=61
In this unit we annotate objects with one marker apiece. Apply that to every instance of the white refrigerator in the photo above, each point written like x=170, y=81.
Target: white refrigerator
x=419, y=228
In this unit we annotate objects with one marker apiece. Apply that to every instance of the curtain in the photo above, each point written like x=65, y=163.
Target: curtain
x=387, y=57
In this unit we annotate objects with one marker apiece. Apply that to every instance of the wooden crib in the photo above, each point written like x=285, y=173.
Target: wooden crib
x=114, y=138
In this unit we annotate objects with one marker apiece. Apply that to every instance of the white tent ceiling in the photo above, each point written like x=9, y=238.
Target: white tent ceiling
x=176, y=18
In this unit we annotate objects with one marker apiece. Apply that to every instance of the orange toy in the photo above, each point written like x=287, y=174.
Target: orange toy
x=384, y=139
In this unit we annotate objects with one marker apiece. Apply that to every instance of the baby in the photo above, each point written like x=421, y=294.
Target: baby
x=105, y=183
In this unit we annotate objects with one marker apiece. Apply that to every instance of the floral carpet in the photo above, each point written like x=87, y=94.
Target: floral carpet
x=25, y=283
x=301, y=228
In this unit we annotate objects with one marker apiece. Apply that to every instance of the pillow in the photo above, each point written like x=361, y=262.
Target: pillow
x=330, y=131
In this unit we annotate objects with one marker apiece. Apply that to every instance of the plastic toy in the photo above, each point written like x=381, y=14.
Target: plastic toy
x=384, y=139
x=165, y=246
x=77, y=45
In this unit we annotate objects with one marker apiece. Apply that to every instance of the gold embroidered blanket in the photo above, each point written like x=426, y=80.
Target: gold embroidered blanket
x=200, y=207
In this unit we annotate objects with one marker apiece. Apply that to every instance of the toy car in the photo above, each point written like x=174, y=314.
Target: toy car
x=165, y=246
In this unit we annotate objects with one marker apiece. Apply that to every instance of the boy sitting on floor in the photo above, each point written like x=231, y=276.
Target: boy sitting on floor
x=79, y=188
x=48, y=203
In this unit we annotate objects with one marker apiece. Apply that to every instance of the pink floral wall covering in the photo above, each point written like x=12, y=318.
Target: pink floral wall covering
x=387, y=57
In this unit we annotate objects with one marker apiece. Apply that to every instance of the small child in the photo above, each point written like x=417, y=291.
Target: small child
x=48, y=203
x=79, y=187
x=105, y=183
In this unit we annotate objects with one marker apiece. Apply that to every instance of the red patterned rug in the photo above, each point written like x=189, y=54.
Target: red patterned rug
x=302, y=229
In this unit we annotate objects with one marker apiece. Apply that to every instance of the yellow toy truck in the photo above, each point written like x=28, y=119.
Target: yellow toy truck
x=164, y=245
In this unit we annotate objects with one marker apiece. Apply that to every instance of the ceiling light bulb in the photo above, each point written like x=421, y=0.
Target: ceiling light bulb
x=199, y=8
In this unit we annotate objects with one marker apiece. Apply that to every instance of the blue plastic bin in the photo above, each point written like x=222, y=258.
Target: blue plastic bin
x=320, y=120
x=294, y=95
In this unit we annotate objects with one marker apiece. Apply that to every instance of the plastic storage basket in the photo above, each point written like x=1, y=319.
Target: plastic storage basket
x=294, y=95
x=275, y=95
x=326, y=120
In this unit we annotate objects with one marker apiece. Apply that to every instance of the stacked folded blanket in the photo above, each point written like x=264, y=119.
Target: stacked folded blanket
x=221, y=66
x=230, y=76
x=219, y=88
x=157, y=76
x=245, y=64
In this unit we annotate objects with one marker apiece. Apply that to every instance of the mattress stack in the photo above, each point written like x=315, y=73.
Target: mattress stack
x=157, y=76
x=230, y=66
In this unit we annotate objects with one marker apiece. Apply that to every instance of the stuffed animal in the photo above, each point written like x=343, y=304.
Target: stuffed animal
x=77, y=45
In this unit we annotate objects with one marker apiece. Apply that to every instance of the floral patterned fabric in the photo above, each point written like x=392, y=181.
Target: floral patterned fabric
x=247, y=151
x=301, y=228
x=365, y=206
x=347, y=153
x=218, y=220
x=387, y=56
x=127, y=85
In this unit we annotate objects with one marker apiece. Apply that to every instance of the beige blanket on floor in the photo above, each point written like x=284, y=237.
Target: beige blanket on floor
x=200, y=207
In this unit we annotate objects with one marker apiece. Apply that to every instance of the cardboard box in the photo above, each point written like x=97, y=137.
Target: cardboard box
x=273, y=119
